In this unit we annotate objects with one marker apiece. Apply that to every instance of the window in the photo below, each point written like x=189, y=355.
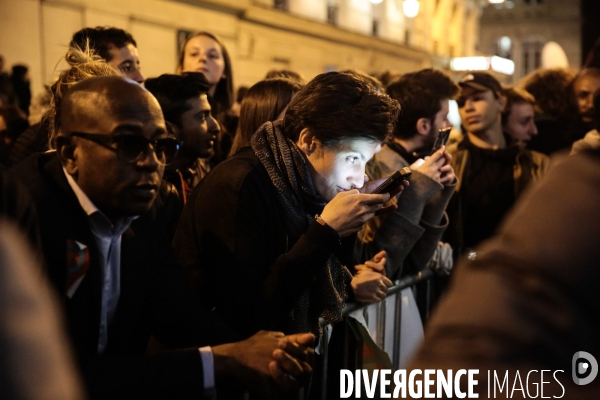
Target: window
x=332, y=14
x=375, y=28
x=281, y=5
x=532, y=55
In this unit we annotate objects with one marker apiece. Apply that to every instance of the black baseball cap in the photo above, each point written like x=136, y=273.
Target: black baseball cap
x=481, y=81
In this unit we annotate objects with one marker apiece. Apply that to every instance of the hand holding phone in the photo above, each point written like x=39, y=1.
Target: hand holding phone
x=393, y=181
x=442, y=139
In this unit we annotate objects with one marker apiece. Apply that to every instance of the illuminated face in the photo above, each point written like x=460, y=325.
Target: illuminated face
x=584, y=88
x=340, y=167
x=125, y=59
x=204, y=54
x=520, y=124
x=479, y=110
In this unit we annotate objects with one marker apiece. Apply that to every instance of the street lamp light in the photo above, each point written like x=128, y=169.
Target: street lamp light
x=410, y=8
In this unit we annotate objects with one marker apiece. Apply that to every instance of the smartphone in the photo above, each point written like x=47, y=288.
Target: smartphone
x=393, y=181
x=442, y=139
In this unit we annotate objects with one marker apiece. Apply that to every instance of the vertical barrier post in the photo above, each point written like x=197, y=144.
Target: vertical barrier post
x=325, y=349
x=397, y=330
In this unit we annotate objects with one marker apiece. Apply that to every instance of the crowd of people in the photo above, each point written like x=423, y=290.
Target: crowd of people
x=192, y=239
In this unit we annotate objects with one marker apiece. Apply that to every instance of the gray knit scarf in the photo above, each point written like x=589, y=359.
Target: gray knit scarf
x=299, y=201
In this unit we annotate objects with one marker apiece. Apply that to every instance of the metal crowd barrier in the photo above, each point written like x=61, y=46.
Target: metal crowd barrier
x=387, y=324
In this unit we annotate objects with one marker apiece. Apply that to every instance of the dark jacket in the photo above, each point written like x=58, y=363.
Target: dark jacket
x=411, y=233
x=33, y=140
x=528, y=167
x=232, y=241
x=153, y=298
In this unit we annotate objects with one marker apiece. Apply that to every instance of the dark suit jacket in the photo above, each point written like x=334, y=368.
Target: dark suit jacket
x=154, y=298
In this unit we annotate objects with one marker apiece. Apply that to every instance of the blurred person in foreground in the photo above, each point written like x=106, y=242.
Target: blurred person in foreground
x=528, y=300
x=35, y=358
x=108, y=257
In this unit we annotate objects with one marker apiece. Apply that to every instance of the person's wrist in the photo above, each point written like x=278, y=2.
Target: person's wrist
x=324, y=223
x=224, y=364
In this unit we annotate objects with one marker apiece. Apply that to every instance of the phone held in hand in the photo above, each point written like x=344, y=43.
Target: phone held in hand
x=442, y=139
x=393, y=181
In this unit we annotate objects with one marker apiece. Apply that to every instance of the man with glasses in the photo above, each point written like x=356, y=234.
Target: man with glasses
x=108, y=257
x=492, y=169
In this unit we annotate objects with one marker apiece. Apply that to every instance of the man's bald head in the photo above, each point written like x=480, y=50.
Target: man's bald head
x=100, y=118
x=88, y=104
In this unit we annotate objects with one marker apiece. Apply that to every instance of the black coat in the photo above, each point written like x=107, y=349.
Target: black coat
x=153, y=298
x=233, y=244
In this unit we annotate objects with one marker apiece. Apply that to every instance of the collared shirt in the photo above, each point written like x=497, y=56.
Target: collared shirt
x=108, y=240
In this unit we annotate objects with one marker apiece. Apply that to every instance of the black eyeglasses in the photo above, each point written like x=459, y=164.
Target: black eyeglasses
x=133, y=148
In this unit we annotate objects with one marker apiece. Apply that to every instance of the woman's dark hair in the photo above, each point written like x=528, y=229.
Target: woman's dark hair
x=552, y=90
x=341, y=105
x=263, y=102
x=174, y=91
x=223, y=98
x=285, y=73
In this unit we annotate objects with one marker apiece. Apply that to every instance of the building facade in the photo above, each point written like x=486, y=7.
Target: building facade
x=308, y=36
x=520, y=29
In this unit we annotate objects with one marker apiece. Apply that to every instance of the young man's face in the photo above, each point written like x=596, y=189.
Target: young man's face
x=125, y=59
x=198, y=130
x=584, y=88
x=341, y=167
x=479, y=110
x=520, y=124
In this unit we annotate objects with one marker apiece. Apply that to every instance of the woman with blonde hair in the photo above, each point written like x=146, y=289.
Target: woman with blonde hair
x=83, y=64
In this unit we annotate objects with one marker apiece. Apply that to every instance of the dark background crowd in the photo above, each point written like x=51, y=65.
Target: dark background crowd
x=183, y=239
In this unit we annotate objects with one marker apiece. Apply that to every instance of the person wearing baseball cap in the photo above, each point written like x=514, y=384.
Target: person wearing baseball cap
x=492, y=169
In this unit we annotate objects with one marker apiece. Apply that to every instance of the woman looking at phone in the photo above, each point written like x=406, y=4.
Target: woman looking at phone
x=267, y=237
